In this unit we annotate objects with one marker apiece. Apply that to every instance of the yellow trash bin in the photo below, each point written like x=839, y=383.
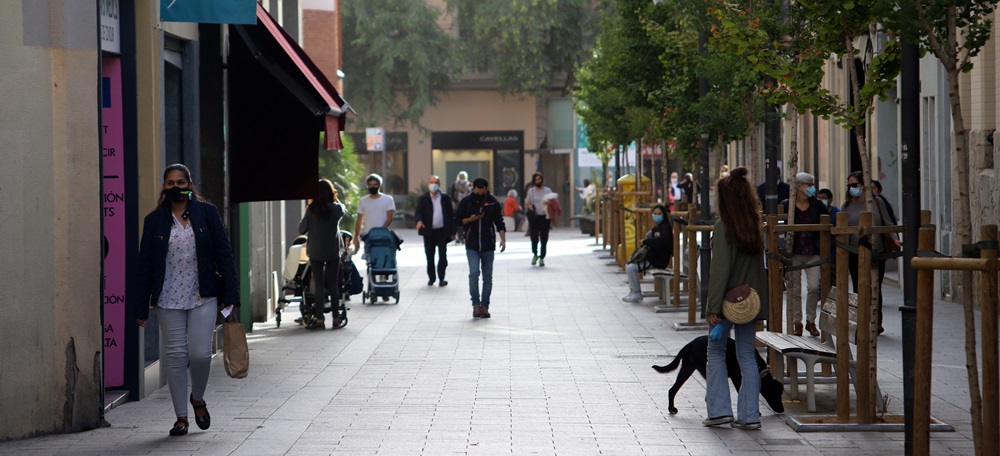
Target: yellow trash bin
x=626, y=184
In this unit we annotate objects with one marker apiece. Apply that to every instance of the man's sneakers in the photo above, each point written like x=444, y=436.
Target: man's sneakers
x=534, y=260
x=541, y=262
x=633, y=297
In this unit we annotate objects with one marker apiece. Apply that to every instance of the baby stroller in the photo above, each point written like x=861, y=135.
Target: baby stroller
x=296, y=276
x=380, y=253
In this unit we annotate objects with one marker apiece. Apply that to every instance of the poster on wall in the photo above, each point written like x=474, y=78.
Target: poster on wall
x=114, y=221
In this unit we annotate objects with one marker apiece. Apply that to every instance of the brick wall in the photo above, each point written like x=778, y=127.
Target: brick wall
x=320, y=39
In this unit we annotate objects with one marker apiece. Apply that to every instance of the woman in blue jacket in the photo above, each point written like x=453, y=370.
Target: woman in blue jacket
x=186, y=271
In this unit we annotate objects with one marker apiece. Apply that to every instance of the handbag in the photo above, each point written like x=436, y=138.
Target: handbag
x=741, y=304
x=888, y=243
x=235, y=353
x=639, y=254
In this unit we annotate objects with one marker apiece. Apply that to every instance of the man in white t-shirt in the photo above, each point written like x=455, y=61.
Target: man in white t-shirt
x=374, y=210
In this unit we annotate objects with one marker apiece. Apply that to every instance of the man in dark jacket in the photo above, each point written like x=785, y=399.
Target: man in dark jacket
x=482, y=218
x=805, y=250
x=435, y=217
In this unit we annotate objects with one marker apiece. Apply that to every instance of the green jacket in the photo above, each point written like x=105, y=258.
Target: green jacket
x=732, y=267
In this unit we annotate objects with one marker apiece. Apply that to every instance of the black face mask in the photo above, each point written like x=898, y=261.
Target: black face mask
x=373, y=190
x=179, y=194
x=478, y=199
x=538, y=184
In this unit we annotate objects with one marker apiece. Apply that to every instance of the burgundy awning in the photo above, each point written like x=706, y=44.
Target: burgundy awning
x=279, y=104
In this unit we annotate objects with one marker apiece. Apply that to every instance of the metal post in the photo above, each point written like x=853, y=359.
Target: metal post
x=910, y=128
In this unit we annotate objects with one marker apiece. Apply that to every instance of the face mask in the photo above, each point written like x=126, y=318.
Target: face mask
x=826, y=202
x=179, y=194
x=673, y=181
x=811, y=191
x=434, y=188
x=373, y=190
x=479, y=199
x=463, y=181
x=855, y=192
x=657, y=218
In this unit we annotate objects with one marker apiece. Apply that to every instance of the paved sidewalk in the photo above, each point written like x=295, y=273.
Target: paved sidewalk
x=562, y=368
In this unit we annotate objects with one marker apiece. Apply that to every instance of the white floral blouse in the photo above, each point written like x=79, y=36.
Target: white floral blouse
x=180, y=280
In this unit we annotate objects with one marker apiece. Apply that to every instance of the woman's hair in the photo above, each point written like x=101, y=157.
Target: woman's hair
x=533, y=176
x=740, y=211
x=187, y=176
x=860, y=177
x=512, y=193
x=460, y=175
x=325, y=195
x=663, y=209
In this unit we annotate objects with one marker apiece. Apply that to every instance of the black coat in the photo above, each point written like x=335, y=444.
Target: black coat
x=214, y=255
x=816, y=209
x=661, y=244
x=425, y=213
x=481, y=235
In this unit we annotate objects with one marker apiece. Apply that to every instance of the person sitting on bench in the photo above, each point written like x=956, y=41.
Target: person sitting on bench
x=660, y=242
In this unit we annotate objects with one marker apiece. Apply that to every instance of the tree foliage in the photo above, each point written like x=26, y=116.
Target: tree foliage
x=523, y=43
x=396, y=60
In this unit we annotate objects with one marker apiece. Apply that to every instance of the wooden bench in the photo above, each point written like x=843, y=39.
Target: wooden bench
x=811, y=351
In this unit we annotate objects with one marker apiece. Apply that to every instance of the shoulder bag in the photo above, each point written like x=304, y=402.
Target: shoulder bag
x=741, y=304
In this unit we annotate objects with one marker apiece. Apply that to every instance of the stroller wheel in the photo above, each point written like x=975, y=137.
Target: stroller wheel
x=340, y=321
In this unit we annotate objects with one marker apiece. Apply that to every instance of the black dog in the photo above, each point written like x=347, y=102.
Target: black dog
x=694, y=356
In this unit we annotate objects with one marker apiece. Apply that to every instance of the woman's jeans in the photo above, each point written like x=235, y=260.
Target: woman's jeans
x=538, y=227
x=717, y=394
x=632, y=270
x=187, y=338
x=484, y=261
x=324, y=284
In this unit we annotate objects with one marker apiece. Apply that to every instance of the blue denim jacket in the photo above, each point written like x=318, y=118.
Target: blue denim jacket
x=214, y=255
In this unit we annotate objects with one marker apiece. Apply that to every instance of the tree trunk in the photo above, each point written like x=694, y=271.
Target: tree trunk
x=963, y=230
x=752, y=139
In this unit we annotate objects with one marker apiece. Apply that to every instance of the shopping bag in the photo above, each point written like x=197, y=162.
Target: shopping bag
x=235, y=353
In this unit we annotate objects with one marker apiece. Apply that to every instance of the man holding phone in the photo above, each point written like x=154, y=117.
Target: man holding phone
x=481, y=217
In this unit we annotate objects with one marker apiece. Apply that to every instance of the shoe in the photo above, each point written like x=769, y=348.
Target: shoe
x=534, y=260
x=745, y=427
x=444, y=283
x=717, y=421
x=633, y=297
x=430, y=283
x=880, y=331
x=316, y=324
x=541, y=262
x=486, y=312
x=298, y=321
x=180, y=427
x=797, y=329
x=477, y=311
x=205, y=421
x=811, y=327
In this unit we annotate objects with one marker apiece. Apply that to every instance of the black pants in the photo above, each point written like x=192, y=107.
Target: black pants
x=852, y=266
x=436, y=239
x=538, y=228
x=325, y=277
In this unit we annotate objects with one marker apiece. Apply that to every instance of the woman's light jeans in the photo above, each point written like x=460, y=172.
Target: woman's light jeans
x=187, y=337
x=632, y=271
x=717, y=393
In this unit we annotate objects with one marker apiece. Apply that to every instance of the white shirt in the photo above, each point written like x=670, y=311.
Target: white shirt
x=180, y=279
x=437, y=221
x=534, y=198
x=375, y=211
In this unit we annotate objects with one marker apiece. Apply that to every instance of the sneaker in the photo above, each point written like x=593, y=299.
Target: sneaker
x=633, y=297
x=745, y=427
x=430, y=283
x=541, y=262
x=717, y=421
x=534, y=260
x=811, y=327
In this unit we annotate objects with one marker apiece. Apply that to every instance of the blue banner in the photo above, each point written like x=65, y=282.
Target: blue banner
x=209, y=11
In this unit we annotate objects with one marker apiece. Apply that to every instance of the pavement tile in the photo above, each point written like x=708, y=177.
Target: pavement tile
x=562, y=368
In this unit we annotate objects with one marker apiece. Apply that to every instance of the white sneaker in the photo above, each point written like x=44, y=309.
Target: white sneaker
x=633, y=297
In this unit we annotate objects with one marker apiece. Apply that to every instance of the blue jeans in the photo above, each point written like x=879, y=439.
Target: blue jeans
x=475, y=260
x=717, y=393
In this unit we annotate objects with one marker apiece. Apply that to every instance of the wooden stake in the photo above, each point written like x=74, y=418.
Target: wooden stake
x=924, y=346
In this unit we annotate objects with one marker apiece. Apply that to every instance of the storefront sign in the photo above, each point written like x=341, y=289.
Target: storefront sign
x=114, y=221
x=375, y=139
x=210, y=12
x=110, y=26
x=478, y=140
